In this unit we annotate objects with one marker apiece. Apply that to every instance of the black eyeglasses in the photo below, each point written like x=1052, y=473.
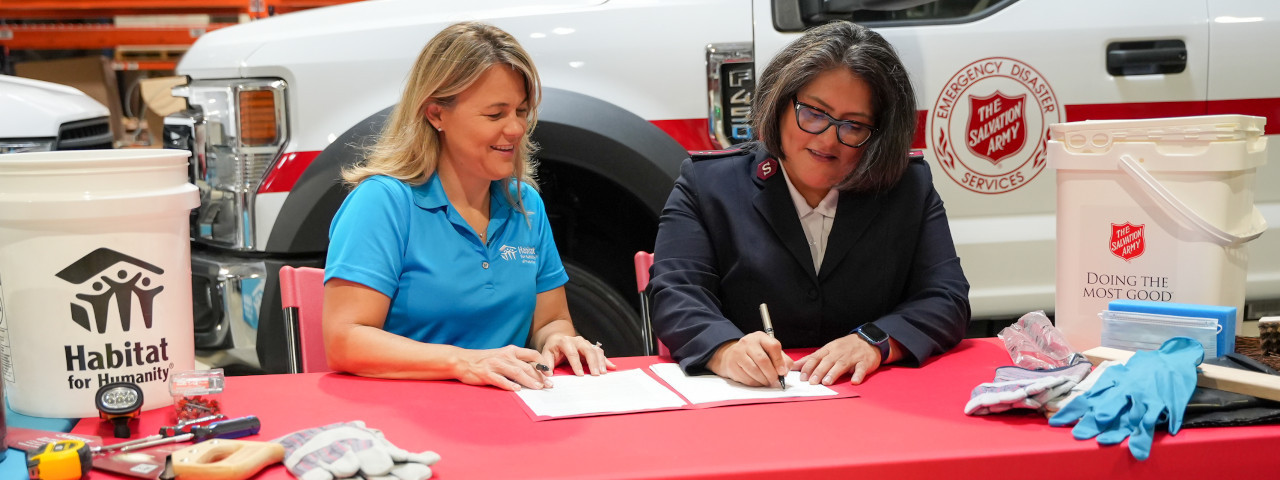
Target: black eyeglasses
x=811, y=119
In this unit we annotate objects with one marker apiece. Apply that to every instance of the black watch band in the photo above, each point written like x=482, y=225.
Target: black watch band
x=877, y=338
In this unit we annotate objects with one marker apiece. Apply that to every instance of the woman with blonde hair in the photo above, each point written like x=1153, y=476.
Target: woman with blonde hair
x=441, y=261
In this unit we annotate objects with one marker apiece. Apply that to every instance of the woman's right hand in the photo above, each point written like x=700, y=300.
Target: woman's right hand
x=754, y=360
x=508, y=368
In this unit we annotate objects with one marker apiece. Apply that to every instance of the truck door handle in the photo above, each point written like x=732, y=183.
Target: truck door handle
x=1147, y=57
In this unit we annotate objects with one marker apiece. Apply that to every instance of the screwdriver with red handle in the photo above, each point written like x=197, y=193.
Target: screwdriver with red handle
x=234, y=428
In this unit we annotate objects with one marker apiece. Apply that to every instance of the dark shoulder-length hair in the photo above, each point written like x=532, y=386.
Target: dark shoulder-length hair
x=843, y=44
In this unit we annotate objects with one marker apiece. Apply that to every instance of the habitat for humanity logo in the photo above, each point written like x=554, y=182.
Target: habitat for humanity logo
x=508, y=252
x=109, y=283
x=527, y=254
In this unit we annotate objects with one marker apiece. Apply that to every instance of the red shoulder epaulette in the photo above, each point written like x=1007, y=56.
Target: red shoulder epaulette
x=699, y=155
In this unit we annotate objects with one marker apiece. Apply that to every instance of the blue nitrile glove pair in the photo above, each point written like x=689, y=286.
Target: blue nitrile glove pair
x=1128, y=400
x=349, y=450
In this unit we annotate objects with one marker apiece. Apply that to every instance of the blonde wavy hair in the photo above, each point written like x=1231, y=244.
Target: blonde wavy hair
x=409, y=147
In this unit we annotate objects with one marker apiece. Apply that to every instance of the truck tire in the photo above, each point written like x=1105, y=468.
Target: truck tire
x=601, y=315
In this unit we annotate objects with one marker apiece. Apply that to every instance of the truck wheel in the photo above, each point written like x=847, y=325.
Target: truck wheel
x=600, y=315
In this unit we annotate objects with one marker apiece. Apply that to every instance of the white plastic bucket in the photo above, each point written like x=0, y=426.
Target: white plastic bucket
x=1157, y=209
x=95, y=276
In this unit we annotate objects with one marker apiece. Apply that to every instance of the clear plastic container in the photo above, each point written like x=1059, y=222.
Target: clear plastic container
x=196, y=393
x=1134, y=331
x=1034, y=343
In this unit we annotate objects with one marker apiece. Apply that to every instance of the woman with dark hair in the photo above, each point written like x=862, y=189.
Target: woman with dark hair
x=825, y=219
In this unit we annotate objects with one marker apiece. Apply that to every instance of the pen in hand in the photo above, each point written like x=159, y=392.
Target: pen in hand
x=768, y=328
x=544, y=371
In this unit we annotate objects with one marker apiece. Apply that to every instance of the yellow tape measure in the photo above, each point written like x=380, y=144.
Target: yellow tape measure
x=60, y=460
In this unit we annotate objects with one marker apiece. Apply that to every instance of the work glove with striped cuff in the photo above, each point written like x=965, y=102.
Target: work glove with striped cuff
x=1016, y=387
x=347, y=450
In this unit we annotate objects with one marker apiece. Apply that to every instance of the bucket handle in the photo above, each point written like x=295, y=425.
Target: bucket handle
x=1178, y=210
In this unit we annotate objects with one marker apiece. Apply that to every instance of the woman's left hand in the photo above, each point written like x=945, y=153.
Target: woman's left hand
x=577, y=350
x=838, y=357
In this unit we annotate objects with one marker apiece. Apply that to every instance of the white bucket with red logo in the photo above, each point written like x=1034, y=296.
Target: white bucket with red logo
x=1157, y=209
x=95, y=276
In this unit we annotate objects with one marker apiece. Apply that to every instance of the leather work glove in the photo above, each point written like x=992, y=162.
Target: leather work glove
x=346, y=450
x=1128, y=400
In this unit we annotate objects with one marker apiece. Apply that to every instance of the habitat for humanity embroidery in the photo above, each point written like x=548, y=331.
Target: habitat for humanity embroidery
x=525, y=254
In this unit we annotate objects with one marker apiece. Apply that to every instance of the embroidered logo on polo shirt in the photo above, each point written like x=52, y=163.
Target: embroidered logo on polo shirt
x=508, y=252
x=526, y=254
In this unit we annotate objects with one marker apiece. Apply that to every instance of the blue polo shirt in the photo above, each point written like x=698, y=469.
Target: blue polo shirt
x=445, y=285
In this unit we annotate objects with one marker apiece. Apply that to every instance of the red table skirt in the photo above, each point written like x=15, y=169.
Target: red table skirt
x=905, y=423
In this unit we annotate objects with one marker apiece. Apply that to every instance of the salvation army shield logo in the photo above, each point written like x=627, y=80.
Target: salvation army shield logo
x=997, y=127
x=1128, y=240
x=989, y=127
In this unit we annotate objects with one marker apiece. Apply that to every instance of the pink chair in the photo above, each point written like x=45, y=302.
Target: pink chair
x=302, y=296
x=644, y=261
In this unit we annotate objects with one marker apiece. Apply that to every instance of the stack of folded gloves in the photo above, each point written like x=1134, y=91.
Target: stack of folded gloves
x=351, y=450
x=1114, y=402
x=1016, y=387
x=1047, y=369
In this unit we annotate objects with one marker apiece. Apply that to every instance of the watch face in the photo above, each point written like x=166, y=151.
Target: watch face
x=873, y=333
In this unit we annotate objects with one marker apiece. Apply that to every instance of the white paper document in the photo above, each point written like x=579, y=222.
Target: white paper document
x=713, y=388
x=618, y=391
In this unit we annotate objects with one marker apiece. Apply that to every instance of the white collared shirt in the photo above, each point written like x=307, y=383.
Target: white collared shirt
x=815, y=221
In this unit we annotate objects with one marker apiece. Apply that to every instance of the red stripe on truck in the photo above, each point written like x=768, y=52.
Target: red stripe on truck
x=694, y=134
x=1268, y=108
x=286, y=172
x=1259, y=107
x=922, y=120
x=691, y=133
x=1125, y=111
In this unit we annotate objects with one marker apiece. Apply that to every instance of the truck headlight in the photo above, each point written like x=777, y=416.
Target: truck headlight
x=20, y=145
x=237, y=131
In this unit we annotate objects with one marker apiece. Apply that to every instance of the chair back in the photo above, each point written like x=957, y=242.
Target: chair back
x=643, y=262
x=302, y=296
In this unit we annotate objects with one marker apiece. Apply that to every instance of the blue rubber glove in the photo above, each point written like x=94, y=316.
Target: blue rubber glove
x=1128, y=400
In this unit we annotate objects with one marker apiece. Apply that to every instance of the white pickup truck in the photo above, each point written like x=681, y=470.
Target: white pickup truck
x=632, y=85
x=37, y=116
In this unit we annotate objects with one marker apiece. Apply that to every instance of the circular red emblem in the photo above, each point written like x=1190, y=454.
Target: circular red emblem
x=989, y=125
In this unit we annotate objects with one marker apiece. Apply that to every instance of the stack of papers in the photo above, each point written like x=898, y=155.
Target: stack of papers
x=636, y=390
x=613, y=392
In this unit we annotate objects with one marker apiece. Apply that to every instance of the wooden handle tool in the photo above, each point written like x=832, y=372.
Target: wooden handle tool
x=223, y=459
x=1232, y=380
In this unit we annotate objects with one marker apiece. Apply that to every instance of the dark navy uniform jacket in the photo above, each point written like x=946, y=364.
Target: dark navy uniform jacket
x=730, y=239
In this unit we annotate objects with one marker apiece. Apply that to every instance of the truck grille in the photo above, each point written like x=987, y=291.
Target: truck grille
x=93, y=133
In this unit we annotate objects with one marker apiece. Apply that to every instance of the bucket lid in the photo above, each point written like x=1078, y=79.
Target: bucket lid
x=54, y=186
x=1205, y=128
x=24, y=163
